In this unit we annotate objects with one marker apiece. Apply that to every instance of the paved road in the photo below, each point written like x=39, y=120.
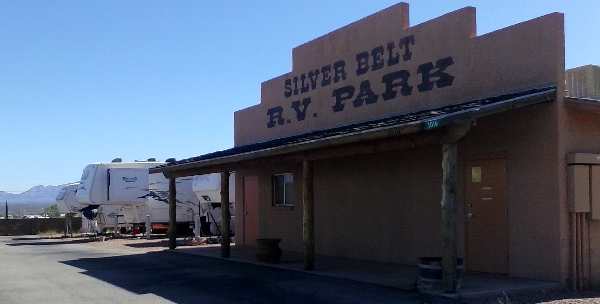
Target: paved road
x=42, y=271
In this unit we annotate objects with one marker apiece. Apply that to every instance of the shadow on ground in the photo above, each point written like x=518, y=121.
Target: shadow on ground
x=30, y=238
x=155, y=244
x=183, y=278
x=51, y=242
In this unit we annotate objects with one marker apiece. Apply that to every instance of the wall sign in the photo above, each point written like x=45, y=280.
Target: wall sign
x=396, y=83
x=381, y=66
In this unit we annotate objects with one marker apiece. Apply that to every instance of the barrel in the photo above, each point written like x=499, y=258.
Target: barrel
x=430, y=273
x=267, y=250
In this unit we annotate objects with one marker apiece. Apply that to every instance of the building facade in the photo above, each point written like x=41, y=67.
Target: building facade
x=370, y=107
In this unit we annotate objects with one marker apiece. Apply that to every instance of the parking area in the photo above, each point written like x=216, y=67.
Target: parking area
x=76, y=271
x=83, y=270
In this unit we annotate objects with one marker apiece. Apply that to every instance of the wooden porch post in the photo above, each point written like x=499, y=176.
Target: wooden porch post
x=448, y=204
x=225, y=216
x=449, y=216
x=308, y=229
x=172, y=213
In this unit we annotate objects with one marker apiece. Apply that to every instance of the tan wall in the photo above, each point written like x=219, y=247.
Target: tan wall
x=239, y=207
x=281, y=222
x=382, y=207
x=582, y=134
x=527, y=139
x=385, y=206
x=274, y=222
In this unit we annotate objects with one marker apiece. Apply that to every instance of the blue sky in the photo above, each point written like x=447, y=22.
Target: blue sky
x=87, y=81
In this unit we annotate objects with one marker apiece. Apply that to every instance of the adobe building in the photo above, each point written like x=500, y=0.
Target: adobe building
x=389, y=141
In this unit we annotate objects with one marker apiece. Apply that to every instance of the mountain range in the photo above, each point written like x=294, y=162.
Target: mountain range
x=37, y=194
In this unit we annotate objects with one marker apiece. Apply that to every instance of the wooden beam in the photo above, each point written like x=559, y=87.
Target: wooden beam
x=308, y=218
x=200, y=171
x=379, y=133
x=172, y=213
x=448, y=205
x=391, y=144
x=225, y=216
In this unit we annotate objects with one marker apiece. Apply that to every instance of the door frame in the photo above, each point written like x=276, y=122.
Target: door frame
x=466, y=173
x=243, y=199
x=245, y=206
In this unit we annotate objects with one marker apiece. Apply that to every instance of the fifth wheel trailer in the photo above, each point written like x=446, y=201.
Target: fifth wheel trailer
x=67, y=200
x=95, y=218
x=138, y=196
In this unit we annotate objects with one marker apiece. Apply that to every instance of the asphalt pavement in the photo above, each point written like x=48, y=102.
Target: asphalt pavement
x=71, y=271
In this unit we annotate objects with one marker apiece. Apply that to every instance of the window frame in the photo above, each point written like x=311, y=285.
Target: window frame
x=285, y=204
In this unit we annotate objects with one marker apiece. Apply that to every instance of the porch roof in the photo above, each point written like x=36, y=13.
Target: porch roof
x=376, y=129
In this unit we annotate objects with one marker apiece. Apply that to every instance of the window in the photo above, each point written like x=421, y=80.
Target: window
x=284, y=193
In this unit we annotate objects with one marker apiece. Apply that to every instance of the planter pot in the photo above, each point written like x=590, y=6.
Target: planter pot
x=267, y=250
x=430, y=273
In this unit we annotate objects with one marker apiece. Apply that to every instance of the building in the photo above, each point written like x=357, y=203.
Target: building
x=389, y=142
x=584, y=82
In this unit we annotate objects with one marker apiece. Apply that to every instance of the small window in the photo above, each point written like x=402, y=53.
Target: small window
x=284, y=194
x=476, y=175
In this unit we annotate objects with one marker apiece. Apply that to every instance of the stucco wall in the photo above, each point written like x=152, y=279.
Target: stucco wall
x=385, y=206
x=527, y=139
x=278, y=222
x=381, y=207
x=582, y=134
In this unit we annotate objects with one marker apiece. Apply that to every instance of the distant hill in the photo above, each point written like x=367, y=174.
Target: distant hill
x=31, y=201
x=37, y=194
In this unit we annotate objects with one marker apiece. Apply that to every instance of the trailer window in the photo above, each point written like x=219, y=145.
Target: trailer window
x=284, y=194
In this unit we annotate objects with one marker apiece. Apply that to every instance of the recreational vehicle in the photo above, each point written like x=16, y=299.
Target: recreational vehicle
x=67, y=200
x=129, y=197
x=208, y=190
